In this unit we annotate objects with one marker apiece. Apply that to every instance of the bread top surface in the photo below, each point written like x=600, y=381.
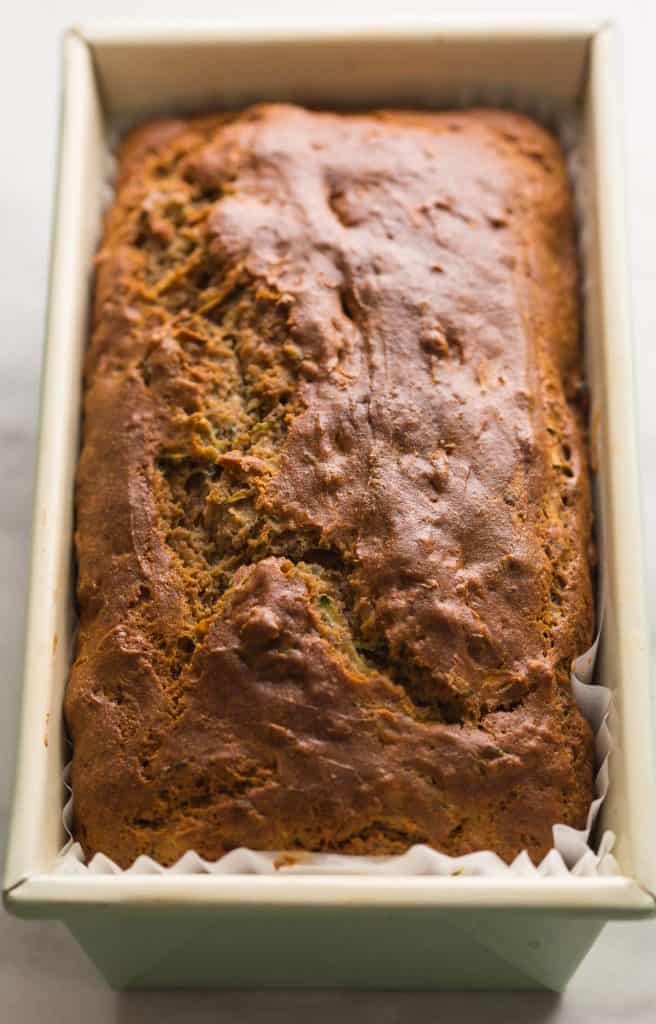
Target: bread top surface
x=333, y=509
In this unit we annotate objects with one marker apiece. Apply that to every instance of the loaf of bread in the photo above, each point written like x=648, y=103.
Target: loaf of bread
x=333, y=511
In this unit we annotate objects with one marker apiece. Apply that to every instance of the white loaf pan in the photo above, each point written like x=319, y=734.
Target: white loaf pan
x=418, y=932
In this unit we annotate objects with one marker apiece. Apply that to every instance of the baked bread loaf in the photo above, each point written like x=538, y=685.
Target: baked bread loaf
x=333, y=512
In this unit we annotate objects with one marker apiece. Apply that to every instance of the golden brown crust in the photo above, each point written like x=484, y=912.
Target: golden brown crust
x=333, y=500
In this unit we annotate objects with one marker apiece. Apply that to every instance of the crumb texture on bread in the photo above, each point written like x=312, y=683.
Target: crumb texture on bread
x=333, y=510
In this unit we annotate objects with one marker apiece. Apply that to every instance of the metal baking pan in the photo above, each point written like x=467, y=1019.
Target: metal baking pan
x=300, y=931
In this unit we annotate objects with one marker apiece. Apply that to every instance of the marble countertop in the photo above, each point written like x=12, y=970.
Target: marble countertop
x=43, y=974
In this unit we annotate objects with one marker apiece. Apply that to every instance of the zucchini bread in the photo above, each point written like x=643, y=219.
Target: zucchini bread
x=333, y=514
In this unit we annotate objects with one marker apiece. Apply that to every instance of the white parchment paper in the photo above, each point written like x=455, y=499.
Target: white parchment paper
x=575, y=852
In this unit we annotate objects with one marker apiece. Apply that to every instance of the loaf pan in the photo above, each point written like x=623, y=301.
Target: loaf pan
x=300, y=931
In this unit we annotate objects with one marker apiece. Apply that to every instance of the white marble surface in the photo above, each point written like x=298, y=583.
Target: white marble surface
x=43, y=975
